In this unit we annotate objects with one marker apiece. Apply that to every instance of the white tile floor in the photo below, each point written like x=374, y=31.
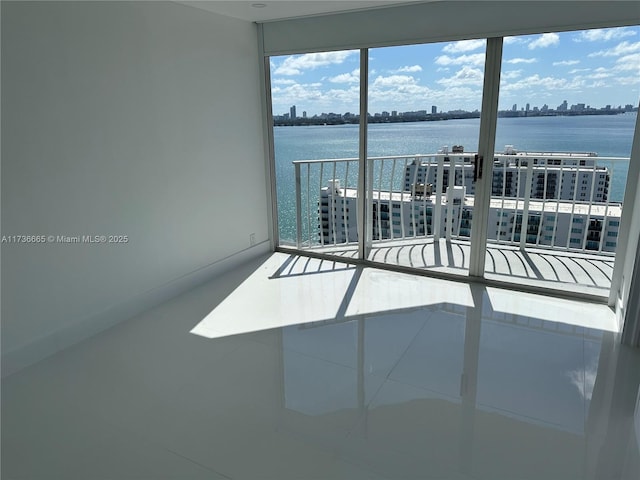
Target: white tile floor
x=313, y=369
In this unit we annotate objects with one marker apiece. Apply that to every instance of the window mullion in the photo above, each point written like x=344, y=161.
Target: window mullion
x=486, y=150
x=364, y=190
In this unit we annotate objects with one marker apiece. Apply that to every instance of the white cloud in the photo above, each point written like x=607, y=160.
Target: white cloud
x=511, y=74
x=623, y=48
x=514, y=40
x=348, y=98
x=603, y=34
x=465, y=76
x=599, y=75
x=394, y=81
x=283, y=81
x=634, y=80
x=597, y=84
x=628, y=63
x=407, y=69
x=566, y=62
x=295, y=65
x=353, y=77
x=464, y=46
x=311, y=96
x=515, y=61
x=545, y=40
x=578, y=70
x=406, y=97
x=473, y=59
x=549, y=83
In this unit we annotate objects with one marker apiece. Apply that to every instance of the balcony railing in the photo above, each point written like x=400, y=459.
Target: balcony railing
x=561, y=201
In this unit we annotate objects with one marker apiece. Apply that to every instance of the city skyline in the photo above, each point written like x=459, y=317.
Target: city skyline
x=521, y=109
x=594, y=67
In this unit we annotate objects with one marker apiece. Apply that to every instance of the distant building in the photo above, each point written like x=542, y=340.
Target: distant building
x=402, y=215
x=304, y=114
x=563, y=107
x=563, y=177
x=434, y=109
x=292, y=112
x=514, y=108
x=564, y=203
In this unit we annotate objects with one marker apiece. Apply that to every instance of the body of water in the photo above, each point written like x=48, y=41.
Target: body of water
x=606, y=135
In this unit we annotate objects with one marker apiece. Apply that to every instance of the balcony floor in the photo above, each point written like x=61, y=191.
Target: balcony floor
x=574, y=272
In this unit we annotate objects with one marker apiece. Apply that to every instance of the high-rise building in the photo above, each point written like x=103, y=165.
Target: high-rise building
x=566, y=200
x=399, y=215
x=552, y=176
x=292, y=112
x=434, y=109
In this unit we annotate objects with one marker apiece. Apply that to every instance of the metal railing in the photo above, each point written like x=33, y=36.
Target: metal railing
x=557, y=201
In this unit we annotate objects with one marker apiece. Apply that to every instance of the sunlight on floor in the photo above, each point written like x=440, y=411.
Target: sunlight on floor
x=290, y=290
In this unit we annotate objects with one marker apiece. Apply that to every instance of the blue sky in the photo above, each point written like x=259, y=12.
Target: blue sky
x=595, y=67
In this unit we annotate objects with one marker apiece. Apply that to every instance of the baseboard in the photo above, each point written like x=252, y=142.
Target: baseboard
x=22, y=357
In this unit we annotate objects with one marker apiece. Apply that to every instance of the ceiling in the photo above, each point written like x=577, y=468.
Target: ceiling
x=281, y=9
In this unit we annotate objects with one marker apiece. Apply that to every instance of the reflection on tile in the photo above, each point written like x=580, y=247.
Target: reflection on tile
x=387, y=337
x=316, y=370
x=434, y=359
x=519, y=370
x=335, y=343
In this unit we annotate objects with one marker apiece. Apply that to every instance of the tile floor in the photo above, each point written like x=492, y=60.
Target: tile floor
x=296, y=368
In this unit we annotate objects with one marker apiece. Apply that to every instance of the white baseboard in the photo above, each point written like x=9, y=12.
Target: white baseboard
x=22, y=357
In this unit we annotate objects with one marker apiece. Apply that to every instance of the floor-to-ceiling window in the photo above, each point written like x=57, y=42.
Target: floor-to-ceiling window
x=566, y=113
x=315, y=101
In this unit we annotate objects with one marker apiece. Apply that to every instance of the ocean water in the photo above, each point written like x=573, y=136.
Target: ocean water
x=606, y=135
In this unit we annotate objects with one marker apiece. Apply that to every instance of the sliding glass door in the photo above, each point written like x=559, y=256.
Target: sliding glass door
x=567, y=113
x=423, y=131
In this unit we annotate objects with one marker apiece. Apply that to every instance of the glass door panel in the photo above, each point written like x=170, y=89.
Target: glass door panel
x=423, y=127
x=567, y=112
x=315, y=103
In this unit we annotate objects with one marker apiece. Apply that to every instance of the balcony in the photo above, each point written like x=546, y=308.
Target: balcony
x=529, y=238
x=576, y=272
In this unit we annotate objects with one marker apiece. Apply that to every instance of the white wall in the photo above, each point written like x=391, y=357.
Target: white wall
x=626, y=292
x=130, y=118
